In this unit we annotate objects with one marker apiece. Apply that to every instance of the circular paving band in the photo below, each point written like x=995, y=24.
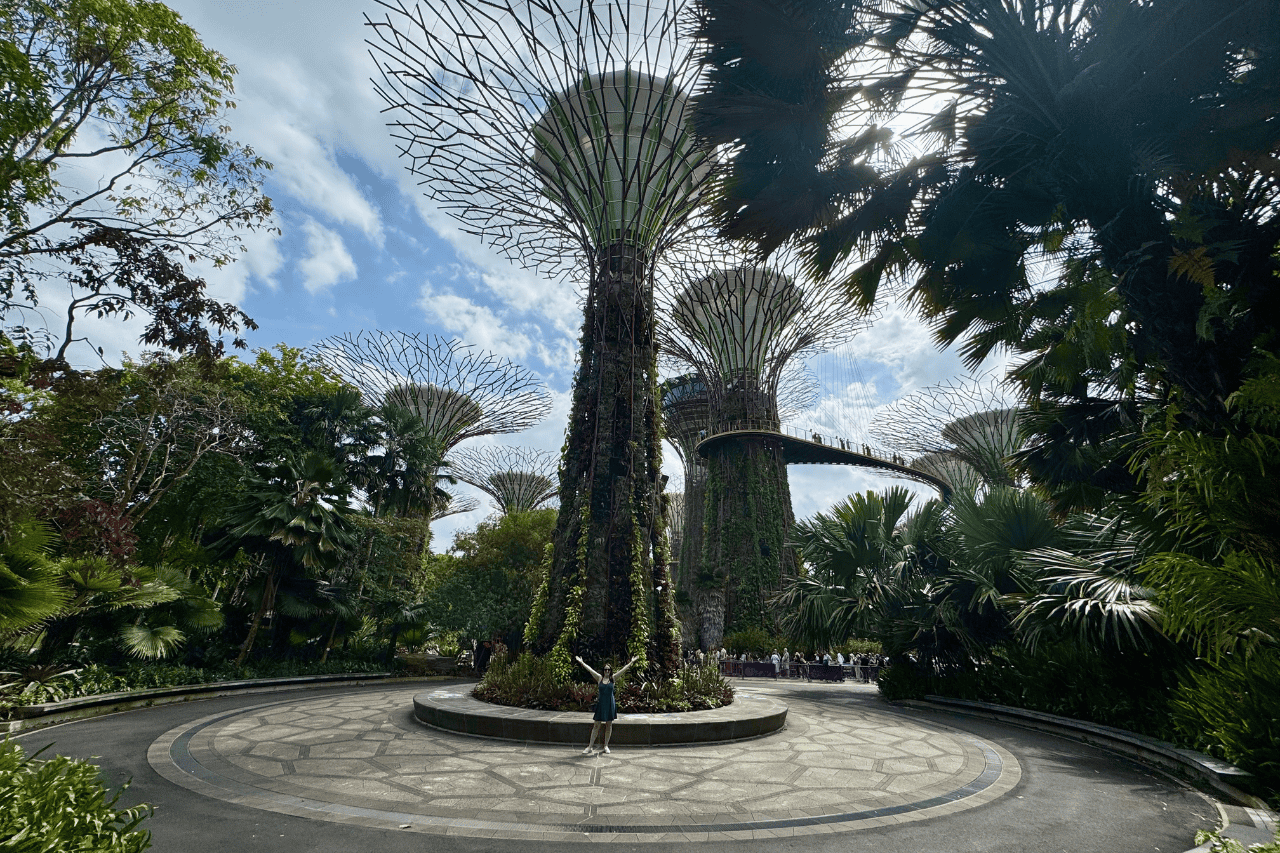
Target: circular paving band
x=455, y=710
x=839, y=765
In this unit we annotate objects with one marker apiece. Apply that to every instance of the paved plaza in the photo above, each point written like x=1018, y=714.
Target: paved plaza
x=352, y=769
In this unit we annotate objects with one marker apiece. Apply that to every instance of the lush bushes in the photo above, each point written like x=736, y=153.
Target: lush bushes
x=532, y=682
x=1128, y=690
x=59, y=804
x=1232, y=710
x=33, y=685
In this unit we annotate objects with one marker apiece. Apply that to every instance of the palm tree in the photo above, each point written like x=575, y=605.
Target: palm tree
x=866, y=559
x=30, y=589
x=296, y=518
x=1133, y=137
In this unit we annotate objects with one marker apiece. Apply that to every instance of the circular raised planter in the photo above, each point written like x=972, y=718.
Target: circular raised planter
x=458, y=711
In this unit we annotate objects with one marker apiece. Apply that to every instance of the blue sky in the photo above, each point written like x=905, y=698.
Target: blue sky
x=361, y=247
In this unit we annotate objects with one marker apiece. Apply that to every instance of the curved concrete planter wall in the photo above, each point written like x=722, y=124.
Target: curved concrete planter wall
x=457, y=711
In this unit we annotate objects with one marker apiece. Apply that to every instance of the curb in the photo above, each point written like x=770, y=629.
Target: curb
x=33, y=717
x=748, y=717
x=1244, y=816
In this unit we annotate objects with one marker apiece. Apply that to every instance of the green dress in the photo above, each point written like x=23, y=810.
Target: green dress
x=606, y=706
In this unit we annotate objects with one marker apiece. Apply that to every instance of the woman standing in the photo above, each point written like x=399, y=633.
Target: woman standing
x=606, y=702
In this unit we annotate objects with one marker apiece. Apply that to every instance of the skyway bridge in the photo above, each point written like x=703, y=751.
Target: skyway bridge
x=813, y=448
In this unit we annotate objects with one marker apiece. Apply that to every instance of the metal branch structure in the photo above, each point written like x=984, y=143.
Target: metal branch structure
x=962, y=431
x=551, y=131
x=743, y=328
x=455, y=505
x=458, y=391
x=517, y=478
x=559, y=134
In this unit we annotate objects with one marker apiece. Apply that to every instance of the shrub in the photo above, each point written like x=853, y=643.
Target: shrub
x=59, y=804
x=754, y=641
x=532, y=682
x=1233, y=711
x=28, y=684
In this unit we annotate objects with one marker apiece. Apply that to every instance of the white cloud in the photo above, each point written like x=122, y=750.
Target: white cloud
x=328, y=261
x=471, y=322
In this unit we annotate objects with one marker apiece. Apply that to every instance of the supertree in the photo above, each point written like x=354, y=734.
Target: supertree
x=559, y=135
x=742, y=327
x=458, y=392
x=686, y=417
x=517, y=478
x=962, y=431
x=456, y=504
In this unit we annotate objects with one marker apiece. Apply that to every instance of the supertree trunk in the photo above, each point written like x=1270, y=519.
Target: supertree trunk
x=607, y=592
x=690, y=557
x=748, y=516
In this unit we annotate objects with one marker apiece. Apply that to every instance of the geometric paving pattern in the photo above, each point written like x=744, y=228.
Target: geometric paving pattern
x=844, y=761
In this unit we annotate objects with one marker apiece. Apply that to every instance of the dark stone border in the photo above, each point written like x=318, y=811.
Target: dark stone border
x=458, y=711
x=178, y=753
x=1220, y=777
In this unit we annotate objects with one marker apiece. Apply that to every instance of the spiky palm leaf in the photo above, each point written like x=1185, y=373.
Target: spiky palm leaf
x=1093, y=586
x=31, y=591
x=150, y=642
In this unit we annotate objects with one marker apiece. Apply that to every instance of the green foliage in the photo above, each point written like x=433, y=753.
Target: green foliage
x=486, y=586
x=530, y=681
x=33, y=685
x=1232, y=710
x=31, y=591
x=1222, y=844
x=754, y=641
x=153, y=102
x=60, y=804
x=692, y=688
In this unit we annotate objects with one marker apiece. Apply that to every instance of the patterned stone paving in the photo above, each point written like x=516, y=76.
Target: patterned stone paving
x=843, y=761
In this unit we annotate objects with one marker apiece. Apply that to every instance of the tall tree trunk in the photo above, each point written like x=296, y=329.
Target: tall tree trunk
x=268, y=601
x=710, y=608
x=748, y=515
x=601, y=595
x=328, y=645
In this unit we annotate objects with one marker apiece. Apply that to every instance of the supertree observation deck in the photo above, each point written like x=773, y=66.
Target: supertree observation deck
x=517, y=478
x=742, y=328
x=560, y=135
x=458, y=392
x=962, y=431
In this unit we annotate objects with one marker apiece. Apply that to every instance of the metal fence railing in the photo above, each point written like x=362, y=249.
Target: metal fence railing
x=865, y=673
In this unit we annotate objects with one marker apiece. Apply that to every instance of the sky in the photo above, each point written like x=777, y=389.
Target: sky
x=361, y=247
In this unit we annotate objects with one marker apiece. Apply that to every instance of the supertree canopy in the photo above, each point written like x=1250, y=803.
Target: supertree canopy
x=455, y=505
x=517, y=478
x=742, y=328
x=459, y=392
x=559, y=134
x=961, y=429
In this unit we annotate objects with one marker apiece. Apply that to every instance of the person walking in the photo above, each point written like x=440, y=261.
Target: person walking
x=606, y=702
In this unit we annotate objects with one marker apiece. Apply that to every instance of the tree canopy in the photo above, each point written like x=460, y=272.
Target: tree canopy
x=116, y=163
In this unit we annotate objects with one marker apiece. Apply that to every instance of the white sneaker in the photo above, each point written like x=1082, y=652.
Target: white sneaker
x=587, y=751
x=606, y=749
